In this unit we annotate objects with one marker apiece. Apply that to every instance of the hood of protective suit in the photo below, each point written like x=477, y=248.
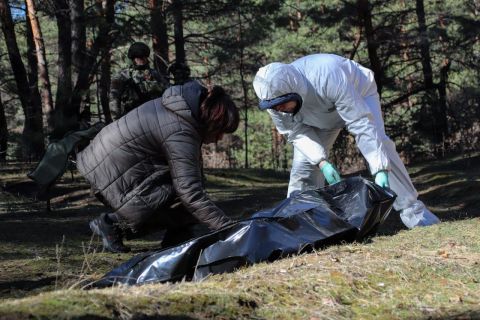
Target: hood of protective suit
x=277, y=79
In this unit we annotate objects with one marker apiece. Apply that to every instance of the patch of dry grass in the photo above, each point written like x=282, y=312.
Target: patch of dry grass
x=429, y=272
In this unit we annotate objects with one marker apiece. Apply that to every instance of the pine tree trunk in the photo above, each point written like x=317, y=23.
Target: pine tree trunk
x=178, y=33
x=244, y=87
x=405, y=53
x=104, y=86
x=3, y=133
x=64, y=62
x=32, y=70
x=108, y=13
x=428, y=116
x=442, y=108
x=86, y=66
x=424, y=47
x=158, y=27
x=33, y=128
x=79, y=37
x=437, y=115
x=372, y=45
x=73, y=58
x=46, y=92
x=442, y=95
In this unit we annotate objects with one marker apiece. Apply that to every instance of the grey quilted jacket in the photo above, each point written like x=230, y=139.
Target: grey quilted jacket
x=140, y=162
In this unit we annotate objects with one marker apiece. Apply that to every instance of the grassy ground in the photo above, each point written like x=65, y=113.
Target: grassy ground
x=429, y=272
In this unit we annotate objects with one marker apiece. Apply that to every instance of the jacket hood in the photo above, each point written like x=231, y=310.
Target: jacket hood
x=185, y=100
x=277, y=79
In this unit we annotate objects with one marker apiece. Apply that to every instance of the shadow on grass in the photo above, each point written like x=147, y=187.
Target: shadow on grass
x=162, y=317
x=458, y=200
x=470, y=314
x=252, y=175
x=45, y=233
x=458, y=165
x=30, y=190
x=26, y=285
x=139, y=317
x=242, y=207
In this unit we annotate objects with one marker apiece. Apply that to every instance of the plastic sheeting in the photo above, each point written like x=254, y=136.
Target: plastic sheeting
x=348, y=210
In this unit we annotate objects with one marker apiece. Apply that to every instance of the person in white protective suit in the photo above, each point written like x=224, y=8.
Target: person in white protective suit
x=310, y=100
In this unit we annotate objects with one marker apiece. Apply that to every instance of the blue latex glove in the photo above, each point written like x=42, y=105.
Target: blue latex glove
x=381, y=178
x=331, y=174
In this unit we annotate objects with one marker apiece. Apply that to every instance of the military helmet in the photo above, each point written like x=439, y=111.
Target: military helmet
x=138, y=50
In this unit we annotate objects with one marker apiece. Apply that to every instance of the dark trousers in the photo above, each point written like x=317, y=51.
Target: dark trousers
x=178, y=223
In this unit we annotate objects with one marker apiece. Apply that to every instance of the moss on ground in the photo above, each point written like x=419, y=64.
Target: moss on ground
x=431, y=272
x=391, y=277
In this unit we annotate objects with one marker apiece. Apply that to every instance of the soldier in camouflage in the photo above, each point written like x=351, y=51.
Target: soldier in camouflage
x=137, y=84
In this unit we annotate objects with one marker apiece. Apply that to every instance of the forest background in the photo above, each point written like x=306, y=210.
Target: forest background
x=57, y=58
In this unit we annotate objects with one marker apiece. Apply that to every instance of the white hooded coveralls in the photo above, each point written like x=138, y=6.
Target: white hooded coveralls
x=336, y=92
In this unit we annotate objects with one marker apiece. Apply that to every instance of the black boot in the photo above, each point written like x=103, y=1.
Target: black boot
x=110, y=234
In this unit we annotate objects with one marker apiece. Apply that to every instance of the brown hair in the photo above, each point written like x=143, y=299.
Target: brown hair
x=218, y=112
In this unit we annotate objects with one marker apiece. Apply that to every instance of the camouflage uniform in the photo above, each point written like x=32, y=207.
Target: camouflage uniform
x=134, y=86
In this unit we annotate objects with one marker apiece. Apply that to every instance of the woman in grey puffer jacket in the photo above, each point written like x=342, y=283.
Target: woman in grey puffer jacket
x=149, y=161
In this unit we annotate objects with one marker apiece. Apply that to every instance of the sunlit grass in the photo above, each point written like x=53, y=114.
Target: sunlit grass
x=392, y=277
x=429, y=272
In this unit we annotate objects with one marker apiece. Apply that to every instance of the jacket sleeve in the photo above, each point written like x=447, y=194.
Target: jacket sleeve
x=303, y=137
x=183, y=154
x=355, y=112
